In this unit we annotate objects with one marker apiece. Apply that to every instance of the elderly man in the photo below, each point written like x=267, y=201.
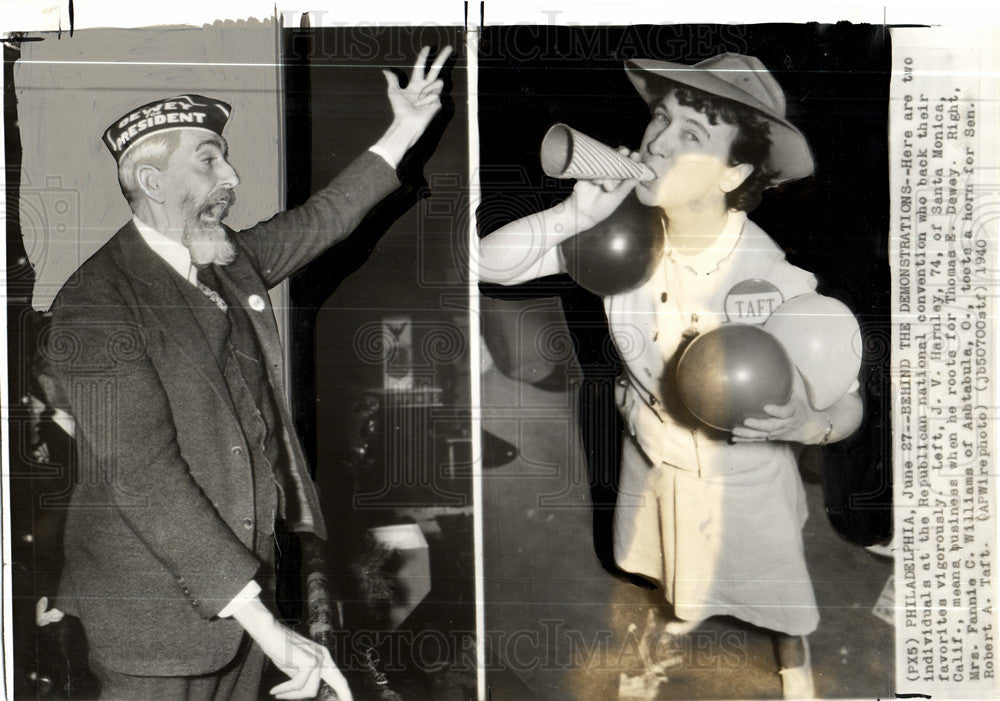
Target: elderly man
x=167, y=349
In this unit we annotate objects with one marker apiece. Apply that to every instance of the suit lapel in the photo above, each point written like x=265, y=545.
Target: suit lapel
x=245, y=289
x=163, y=304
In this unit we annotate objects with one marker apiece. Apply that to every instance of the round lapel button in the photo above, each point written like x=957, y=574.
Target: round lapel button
x=256, y=303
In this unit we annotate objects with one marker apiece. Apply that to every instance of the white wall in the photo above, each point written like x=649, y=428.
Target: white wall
x=70, y=89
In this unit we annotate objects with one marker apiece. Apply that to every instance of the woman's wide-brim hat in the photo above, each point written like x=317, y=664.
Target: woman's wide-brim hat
x=739, y=78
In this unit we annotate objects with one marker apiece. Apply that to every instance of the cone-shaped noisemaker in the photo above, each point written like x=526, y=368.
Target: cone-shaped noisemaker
x=568, y=153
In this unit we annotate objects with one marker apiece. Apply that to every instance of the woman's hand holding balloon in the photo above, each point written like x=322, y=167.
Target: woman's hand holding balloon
x=795, y=421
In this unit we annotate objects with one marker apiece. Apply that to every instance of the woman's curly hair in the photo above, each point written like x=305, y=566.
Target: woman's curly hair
x=751, y=145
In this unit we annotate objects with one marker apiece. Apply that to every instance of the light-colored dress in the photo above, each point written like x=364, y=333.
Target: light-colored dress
x=717, y=524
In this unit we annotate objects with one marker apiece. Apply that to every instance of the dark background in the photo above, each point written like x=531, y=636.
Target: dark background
x=375, y=464
x=408, y=257
x=834, y=224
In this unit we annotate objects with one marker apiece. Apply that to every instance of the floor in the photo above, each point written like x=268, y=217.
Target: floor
x=559, y=625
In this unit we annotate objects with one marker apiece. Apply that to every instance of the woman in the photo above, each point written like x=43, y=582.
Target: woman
x=714, y=517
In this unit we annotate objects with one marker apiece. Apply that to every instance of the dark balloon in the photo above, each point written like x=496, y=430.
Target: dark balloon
x=729, y=374
x=618, y=254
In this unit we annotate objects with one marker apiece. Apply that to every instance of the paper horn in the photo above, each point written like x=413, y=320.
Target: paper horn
x=568, y=153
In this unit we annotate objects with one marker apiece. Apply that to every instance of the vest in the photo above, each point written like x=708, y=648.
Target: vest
x=238, y=354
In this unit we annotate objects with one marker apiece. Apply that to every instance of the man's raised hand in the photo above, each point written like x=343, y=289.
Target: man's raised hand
x=414, y=106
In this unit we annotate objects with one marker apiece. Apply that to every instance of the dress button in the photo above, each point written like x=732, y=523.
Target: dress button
x=248, y=523
x=236, y=450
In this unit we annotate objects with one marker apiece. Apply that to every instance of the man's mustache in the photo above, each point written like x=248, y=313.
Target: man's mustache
x=222, y=195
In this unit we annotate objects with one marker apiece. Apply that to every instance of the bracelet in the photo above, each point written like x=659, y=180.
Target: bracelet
x=829, y=430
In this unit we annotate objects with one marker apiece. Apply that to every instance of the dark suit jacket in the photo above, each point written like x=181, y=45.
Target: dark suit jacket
x=159, y=534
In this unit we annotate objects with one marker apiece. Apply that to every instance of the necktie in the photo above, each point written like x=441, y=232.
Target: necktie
x=208, y=283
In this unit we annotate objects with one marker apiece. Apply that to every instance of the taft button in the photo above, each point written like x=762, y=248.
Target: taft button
x=248, y=523
x=256, y=303
x=236, y=450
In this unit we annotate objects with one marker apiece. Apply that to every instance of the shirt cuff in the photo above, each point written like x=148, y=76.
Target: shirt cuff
x=64, y=421
x=250, y=592
x=379, y=151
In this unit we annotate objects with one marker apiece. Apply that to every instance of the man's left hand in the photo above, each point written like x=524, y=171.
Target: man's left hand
x=414, y=106
x=795, y=421
x=306, y=662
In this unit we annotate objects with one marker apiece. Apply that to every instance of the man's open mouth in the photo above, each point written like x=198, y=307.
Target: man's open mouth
x=215, y=211
x=218, y=206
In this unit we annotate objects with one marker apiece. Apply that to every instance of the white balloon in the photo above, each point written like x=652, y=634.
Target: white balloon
x=823, y=340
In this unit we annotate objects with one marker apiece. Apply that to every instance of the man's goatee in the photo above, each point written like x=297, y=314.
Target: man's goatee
x=208, y=243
